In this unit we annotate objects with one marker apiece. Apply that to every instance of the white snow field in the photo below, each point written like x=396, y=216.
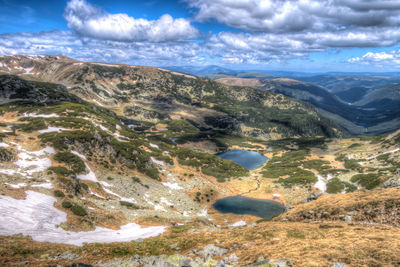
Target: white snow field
x=173, y=186
x=37, y=217
x=29, y=162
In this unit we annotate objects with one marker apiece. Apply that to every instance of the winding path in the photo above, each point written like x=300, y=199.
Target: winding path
x=257, y=178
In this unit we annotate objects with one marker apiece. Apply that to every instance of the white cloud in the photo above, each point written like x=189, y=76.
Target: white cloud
x=272, y=35
x=89, y=49
x=379, y=58
x=285, y=16
x=91, y=21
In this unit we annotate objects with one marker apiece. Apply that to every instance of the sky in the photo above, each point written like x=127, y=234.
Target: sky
x=288, y=35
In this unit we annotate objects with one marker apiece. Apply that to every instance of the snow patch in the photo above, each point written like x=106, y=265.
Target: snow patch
x=53, y=129
x=78, y=154
x=37, y=217
x=153, y=145
x=45, y=185
x=203, y=213
x=321, y=184
x=238, y=224
x=52, y=115
x=158, y=162
x=30, y=162
x=4, y=144
x=174, y=186
x=16, y=185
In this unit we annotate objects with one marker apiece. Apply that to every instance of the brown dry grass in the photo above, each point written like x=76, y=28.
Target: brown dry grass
x=306, y=244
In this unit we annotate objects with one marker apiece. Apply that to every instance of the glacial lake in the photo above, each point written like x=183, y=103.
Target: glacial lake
x=263, y=208
x=249, y=159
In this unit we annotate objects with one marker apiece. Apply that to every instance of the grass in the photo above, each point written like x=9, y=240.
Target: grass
x=318, y=244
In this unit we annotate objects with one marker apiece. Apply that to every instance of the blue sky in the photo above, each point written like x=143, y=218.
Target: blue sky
x=296, y=35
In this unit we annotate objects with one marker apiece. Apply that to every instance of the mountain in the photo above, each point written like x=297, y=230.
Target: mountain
x=111, y=165
x=200, y=70
x=152, y=94
x=373, y=112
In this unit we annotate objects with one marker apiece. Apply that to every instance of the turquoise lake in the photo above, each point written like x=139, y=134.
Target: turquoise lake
x=263, y=208
x=249, y=159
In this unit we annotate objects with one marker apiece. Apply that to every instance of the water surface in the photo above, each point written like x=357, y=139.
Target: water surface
x=263, y=208
x=251, y=160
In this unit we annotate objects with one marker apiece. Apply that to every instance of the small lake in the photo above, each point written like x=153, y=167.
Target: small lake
x=251, y=160
x=263, y=208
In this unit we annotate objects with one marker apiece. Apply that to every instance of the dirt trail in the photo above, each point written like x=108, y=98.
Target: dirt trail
x=257, y=178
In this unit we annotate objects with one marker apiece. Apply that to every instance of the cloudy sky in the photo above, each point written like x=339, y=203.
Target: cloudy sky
x=299, y=35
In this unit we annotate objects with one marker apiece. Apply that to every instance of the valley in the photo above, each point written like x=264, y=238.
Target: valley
x=362, y=105
x=111, y=165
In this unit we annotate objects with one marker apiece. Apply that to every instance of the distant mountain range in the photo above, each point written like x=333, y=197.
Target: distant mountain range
x=214, y=69
x=362, y=104
x=149, y=95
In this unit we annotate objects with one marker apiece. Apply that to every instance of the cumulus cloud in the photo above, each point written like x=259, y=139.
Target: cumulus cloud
x=91, y=21
x=90, y=49
x=270, y=33
x=379, y=58
x=283, y=16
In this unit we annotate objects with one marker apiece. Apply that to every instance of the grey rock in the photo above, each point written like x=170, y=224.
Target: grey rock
x=352, y=213
x=347, y=218
x=211, y=250
x=392, y=182
x=272, y=263
x=233, y=259
x=337, y=264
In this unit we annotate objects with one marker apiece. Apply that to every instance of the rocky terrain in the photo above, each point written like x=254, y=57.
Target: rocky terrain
x=115, y=165
x=362, y=105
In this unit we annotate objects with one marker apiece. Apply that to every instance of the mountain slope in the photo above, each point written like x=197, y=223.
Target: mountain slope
x=74, y=172
x=375, y=113
x=152, y=94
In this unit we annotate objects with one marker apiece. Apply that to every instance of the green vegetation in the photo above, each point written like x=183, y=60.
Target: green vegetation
x=341, y=157
x=78, y=210
x=34, y=124
x=66, y=204
x=319, y=165
x=295, y=234
x=75, y=163
x=60, y=170
x=210, y=164
x=287, y=164
x=129, y=205
x=299, y=177
x=179, y=128
x=383, y=157
x=354, y=145
x=303, y=143
x=58, y=193
x=351, y=164
x=6, y=155
x=335, y=186
x=369, y=181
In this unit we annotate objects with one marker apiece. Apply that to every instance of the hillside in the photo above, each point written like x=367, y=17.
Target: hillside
x=83, y=180
x=373, y=112
x=149, y=94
